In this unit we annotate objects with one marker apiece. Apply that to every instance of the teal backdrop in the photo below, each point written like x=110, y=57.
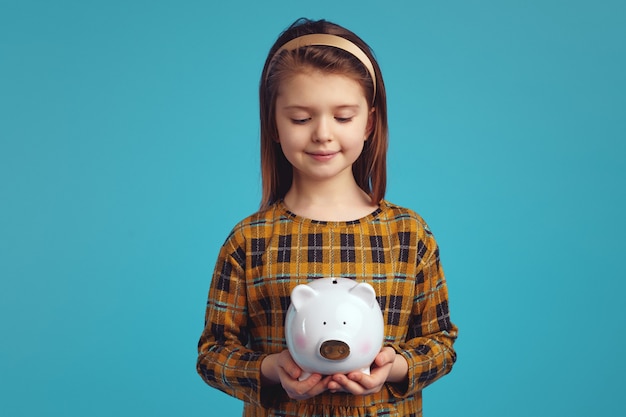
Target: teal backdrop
x=129, y=148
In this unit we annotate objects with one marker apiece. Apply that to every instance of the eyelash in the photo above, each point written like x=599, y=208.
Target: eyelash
x=338, y=119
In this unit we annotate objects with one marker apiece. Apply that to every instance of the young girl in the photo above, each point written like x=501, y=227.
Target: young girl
x=323, y=150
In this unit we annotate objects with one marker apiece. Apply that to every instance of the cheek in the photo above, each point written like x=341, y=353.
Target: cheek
x=365, y=347
x=300, y=342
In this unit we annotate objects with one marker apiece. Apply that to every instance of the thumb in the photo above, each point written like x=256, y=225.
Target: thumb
x=386, y=355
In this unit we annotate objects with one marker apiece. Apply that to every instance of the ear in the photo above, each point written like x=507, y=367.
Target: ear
x=365, y=292
x=370, y=123
x=301, y=295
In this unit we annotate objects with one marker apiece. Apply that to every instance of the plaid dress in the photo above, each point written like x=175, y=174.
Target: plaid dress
x=269, y=253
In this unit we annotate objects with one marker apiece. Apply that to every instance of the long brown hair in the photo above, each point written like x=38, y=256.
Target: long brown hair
x=370, y=169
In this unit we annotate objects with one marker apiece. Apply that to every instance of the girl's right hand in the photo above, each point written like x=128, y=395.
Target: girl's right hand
x=281, y=368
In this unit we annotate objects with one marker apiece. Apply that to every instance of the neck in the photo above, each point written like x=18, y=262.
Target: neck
x=329, y=201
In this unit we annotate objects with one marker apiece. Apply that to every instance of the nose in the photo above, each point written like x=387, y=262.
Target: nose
x=322, y=131
x=334, y=350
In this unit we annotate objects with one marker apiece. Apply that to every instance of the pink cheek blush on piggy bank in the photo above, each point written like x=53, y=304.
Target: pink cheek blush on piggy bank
x=334, y=326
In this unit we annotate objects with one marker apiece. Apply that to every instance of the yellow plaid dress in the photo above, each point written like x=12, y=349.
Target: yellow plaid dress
x=272, y=251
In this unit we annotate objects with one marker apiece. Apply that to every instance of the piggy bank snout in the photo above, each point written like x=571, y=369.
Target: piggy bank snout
x=334, y=350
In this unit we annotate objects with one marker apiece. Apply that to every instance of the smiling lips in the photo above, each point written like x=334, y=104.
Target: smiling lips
x=322, y=156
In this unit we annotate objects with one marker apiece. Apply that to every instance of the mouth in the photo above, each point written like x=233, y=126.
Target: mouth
x=322, y=156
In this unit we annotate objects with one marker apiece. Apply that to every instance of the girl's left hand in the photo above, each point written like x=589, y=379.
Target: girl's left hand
x=358, y=383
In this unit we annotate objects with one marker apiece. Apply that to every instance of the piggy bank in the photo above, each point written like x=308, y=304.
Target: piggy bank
x=334, y=326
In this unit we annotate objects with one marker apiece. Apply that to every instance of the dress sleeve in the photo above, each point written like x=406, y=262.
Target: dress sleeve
x=224, y=360
x=428, y=348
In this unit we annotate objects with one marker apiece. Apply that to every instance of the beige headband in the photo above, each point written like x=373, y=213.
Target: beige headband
x=323, y=39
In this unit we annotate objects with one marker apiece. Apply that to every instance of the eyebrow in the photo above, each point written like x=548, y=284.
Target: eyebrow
x=306, y=108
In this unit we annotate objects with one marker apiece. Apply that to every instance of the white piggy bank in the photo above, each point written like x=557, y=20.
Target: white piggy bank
x=334, y=326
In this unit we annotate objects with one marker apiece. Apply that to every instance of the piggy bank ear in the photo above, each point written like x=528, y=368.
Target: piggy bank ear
x=365, y=292
x=301, y=295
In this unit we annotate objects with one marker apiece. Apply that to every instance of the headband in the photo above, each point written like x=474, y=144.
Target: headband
x=323, y=39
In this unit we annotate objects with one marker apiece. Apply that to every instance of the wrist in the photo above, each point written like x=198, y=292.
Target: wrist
x=269, y=373
x=399, y=370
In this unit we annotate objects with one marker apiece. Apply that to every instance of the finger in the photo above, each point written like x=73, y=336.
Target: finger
x=318, y=388
x=372, y=382
x=290, y=367
x=306, y=385
x=311, y=381
x=364, y=380
x=300, y=390
x=348, y=385
x=334, y=386
x=386, y=355
x=289, y=372
x=356, y=376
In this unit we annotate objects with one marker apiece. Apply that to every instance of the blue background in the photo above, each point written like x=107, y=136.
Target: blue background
x=129, y=148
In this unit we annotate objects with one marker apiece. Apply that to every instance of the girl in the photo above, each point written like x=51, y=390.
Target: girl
x=323, y=150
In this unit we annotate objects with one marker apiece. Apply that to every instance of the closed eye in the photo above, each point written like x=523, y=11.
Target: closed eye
x=300, y=121
x=343, y=119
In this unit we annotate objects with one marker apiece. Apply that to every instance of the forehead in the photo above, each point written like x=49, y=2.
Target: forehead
x=321, y=88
